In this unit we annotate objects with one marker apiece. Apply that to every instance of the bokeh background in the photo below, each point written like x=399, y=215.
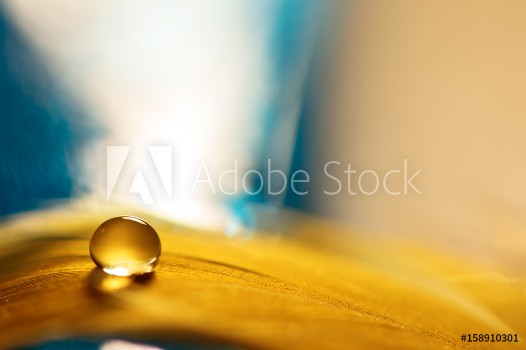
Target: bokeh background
x=218, y=83
x=440, y=84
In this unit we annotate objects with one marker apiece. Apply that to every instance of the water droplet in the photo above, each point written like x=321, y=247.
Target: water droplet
x=125, y=246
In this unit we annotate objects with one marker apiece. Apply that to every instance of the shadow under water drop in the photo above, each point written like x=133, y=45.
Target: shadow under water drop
x=106, y=283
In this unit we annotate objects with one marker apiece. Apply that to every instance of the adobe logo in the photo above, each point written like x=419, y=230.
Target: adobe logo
x=140, y=176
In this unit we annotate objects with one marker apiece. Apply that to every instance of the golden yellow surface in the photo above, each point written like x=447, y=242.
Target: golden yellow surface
x=319, y=286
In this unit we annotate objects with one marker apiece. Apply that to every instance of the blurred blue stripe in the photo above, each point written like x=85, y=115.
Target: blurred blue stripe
x=39, y=131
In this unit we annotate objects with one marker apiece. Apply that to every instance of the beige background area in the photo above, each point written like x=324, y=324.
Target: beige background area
x=442, y=84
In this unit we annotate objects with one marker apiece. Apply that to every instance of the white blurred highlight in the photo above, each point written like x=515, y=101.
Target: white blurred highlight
x=192, y=75
x=125, y=345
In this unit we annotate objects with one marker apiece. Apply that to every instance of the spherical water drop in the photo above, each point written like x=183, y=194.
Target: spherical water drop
x=125, y=246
